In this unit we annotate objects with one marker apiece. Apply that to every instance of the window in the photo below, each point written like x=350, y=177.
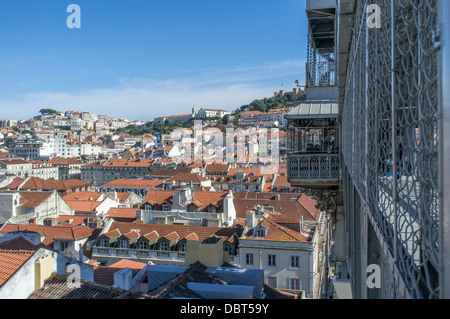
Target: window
x=249, y=259
x=272, y=282
x=295, y=261
x=183, y=247
x=165, y=208
x=103, y=243
x=143, y=245
x=123, y=244
x=63, y=246
x=260, y=233
x=163, y=246
x=271, y=260
x=295, y=284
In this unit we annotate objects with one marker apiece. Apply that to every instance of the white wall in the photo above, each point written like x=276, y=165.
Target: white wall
x=21, y=284
x=261, y=249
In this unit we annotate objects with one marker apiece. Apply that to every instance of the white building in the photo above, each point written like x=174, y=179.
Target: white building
x=212, y=113
x=188, y=207
x=287, y=256
x=16, y=167
x=23, y=207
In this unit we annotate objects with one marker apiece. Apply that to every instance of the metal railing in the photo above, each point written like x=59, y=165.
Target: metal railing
x=138, y=253
x=316, y=166
x=390, y=135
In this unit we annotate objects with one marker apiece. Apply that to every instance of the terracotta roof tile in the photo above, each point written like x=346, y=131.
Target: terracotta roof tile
x=187, y=178
x=201, y=232
x=135, y=183
x=11, y=261
x=83, y=206
x=31, y=199
x=172, y=236
x=83, y=196
x=18, y=243
x=121, y=213
x=50, y=233
x=37, y=183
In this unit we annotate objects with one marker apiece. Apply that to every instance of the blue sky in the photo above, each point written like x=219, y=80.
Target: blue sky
x=140, y=59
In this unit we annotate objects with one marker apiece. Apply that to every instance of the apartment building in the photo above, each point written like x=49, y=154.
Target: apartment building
x=158, y=243
x=102, y=172
x=188, y=206
x=23, y=207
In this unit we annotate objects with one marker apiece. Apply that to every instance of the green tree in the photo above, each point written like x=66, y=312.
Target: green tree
x=47, y=111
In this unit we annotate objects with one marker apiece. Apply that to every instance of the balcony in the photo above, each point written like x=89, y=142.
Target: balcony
x=139, y=254
x=313, y=170
x=313, y=144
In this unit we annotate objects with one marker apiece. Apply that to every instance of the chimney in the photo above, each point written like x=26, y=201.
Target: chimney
x=181, y=197
x=113, y=195
x=250, y=220
x=122, y=278
x=43, y=269
x=80, y=253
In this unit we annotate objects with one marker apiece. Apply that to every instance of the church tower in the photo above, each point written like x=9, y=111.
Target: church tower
x=193, y=111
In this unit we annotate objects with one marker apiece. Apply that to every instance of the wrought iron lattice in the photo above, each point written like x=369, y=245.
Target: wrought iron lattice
x=390, y=134
x=320, y=66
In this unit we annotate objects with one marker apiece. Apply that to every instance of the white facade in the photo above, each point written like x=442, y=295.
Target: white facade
x=15, y=167
x=287, y=265
x=11, y=209
x=212, y=113
x=22, y=284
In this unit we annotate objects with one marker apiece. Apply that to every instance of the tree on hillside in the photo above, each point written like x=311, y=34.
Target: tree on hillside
x=47, y=111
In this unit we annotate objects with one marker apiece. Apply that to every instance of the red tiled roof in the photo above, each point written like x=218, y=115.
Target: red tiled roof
x=183, y=231
x=11, y=261
x=18, y=243
x=131, y=235
x=152, y=235
x=37, y=183
x=83, y=206
x=31, y=199
x=73, y=220
x=83, y=196
x=15, y=161
x=64, y=161
x=187, y=178
x=126, y=263
x=129, y=213
x=159, y=197
x=15, y=183
x=281, y=181
x=172, y=236
x=50, y=232
x=135, y=183
x=129, y=163
x=275, y=231
x=217, y=168
x=286, y=208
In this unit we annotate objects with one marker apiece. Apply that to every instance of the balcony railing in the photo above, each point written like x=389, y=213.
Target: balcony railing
x=314, y=166
x=138, y=253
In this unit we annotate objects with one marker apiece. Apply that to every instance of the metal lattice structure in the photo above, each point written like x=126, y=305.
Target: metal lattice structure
x=320, y=66
x=390, y=139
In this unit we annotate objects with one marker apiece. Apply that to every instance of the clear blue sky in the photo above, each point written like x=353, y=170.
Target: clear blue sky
x=140, y=59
